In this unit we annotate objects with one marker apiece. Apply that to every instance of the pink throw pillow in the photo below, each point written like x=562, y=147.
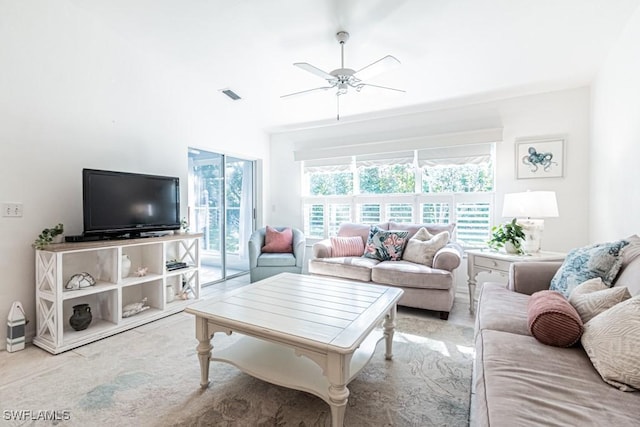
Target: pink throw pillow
x=278, y=241
x=347, y=246
x=553, y=320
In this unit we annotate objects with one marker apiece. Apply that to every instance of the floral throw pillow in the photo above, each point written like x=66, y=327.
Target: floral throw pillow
x=385, y=245
x=601, y=260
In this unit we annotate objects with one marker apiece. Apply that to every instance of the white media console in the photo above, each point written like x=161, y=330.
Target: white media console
x=57, y=263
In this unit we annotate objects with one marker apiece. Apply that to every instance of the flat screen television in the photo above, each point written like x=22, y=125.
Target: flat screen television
x=123, y=203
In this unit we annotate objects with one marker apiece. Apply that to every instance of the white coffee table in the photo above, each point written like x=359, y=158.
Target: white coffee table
x=309, y=333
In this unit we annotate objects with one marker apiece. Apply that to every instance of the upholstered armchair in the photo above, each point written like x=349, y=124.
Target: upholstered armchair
x=266, y=264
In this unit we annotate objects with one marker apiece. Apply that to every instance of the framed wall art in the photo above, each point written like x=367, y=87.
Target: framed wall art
x=540, y=157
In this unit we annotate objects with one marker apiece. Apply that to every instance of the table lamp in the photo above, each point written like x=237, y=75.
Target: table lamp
x=529, y=208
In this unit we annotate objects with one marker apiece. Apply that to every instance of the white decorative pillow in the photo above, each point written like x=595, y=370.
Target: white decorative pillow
x=422, y=247
x=592, y=297
x=612, y=341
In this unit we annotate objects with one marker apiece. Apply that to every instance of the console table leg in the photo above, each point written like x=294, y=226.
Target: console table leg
x=389, y=328
x=472, y=294
x=204, y=350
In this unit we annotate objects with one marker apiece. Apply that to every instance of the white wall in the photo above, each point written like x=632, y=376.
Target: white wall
x=76, y=94
x=615, y=151
x=556, y=113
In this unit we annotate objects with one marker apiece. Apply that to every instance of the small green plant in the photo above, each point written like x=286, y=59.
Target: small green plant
x=510, y=232
x=47, y=235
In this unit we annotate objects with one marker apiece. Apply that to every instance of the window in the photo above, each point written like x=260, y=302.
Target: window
x=332, y=177
x=453, y=184
x=314, y=220
x=369, y=213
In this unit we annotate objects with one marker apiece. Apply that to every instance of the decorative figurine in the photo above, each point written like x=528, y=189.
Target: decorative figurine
x=80, y=281
x=135, y=308
x=142, y=271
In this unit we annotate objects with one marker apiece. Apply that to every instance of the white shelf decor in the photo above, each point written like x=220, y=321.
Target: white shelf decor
x=57, y=263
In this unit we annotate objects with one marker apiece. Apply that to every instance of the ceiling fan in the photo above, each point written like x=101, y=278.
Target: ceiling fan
x=343, y=78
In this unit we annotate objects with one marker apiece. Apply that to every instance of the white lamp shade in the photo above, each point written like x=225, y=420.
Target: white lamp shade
x=530, y=204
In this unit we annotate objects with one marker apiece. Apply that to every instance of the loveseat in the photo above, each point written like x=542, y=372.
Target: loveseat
x=430, y=287
x=519, y=381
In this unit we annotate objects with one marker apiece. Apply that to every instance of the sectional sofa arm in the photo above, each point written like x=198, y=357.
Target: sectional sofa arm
x=530, y=277
x=322, y=249
x=448, y=258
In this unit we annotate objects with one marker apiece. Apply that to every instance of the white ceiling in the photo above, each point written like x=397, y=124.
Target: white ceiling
x=448, y=48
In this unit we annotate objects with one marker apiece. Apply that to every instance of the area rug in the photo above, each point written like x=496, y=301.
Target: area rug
x=150, y=376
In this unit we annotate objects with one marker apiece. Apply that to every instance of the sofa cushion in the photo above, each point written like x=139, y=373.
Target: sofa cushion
x=412, y=275
x=593, y=297
x=413, y=228
x=612, y=341
x=502, y=310
x=349, y=229
x=355, y=268
x=347, y=246
x=581, y=264
x=278, y=241
x=422, y=247
x=385, y=245
x=552, y=319
x=276, y=260
x=522, y=382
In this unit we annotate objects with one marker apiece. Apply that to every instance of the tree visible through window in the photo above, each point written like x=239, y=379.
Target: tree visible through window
x=458, y=178
x=387, y=179
x=330, y=183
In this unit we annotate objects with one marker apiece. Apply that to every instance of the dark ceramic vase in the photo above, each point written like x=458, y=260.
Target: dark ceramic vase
x=81, y=317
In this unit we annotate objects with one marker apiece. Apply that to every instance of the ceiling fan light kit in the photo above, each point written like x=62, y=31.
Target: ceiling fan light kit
x=343, y=78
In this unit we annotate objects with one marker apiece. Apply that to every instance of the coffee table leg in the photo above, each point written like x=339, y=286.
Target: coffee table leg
x=338, y=373
x=204, y=350
x=389, y=327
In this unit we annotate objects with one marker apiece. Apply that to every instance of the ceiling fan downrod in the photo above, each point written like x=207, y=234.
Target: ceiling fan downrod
x=342, y=37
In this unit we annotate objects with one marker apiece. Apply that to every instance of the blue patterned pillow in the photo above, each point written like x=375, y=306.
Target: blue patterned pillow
x=601, y=260
x=385, y=245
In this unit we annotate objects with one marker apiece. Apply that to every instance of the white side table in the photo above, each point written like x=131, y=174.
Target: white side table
x=479, y=260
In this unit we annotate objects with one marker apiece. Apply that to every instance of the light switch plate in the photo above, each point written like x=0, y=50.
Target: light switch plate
x=12, y=209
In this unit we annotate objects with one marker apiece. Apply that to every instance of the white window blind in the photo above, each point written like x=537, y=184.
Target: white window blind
x=336, y=164
x=459, y=155
x=385, y=159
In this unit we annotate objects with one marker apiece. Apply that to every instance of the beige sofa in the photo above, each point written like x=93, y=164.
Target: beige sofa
x=430, y=288
x=519, y=381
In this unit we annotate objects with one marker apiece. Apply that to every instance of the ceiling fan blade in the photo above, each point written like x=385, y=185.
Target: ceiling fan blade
x=307, y=91
x=380, y=66
x=314, y=70
x=361, y=85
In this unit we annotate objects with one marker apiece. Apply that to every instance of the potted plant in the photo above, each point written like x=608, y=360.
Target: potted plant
x=48, y=236
x=508, y=235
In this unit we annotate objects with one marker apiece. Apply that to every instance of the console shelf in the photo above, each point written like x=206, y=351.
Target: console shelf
x=56, y=263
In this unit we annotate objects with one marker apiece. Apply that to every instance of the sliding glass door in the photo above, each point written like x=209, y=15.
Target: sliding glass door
x=221, y=204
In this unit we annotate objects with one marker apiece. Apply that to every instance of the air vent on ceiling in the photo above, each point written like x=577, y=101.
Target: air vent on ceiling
x=231, y=94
